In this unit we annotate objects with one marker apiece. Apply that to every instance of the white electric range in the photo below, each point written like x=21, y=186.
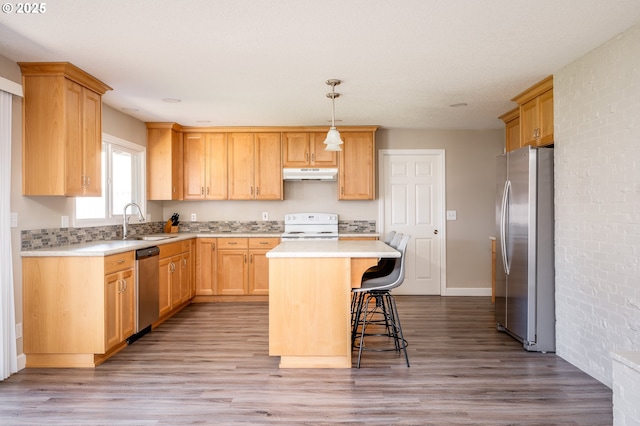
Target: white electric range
x=310, y=226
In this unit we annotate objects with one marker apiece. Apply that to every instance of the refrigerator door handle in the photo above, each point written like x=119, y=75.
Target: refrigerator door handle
x=503, y=225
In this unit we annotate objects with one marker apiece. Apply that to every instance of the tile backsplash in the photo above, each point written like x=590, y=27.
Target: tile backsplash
x=34, y=239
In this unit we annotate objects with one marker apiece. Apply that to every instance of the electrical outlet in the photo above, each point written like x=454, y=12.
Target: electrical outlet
x=148, y=217
x=64, y=221
x=265, y=215
x=14, y=219
x=193, y=217
x=18, y=330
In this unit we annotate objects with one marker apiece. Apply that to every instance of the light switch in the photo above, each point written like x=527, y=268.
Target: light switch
x=14, y=219
x=451, y=215
x=265, y=215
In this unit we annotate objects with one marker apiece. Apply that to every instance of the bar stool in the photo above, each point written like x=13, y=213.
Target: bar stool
x=374, y=298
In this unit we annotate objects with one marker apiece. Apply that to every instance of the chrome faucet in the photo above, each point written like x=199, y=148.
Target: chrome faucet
x=125, y=219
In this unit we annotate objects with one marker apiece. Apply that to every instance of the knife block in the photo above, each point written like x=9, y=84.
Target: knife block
x=170, y=229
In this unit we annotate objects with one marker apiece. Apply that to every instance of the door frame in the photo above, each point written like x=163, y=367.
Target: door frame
x=440, y=157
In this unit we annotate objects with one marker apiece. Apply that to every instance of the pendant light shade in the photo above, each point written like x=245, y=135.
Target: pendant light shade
x=333, y=140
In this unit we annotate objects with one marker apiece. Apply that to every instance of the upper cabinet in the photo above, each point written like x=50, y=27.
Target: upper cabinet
x=164, y=161
x=356, y=178
x=255, y=166
x=512, y=128
x=536, y=114
x=205, y=166
x=306, y=149
x=62, y=138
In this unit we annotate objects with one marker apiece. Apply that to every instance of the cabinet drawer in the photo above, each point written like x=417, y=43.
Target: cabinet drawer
x=266, y=243
x=233, y=243
x=118, y=262
x=171, y=249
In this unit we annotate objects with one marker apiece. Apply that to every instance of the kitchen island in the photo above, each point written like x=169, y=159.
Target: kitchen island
x=310, y=286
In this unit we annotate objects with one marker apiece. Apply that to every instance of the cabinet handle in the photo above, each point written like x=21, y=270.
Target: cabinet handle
x=184, y=263
x=251, y=190
x=342, y=190
x=207, y=190
x=245, y=258
x=306, y=156
x=213, y=247
x=120, y=261
x=257, y=190
x=172, y=267
x=250, y=258
x=202, y=190
x=174, y=189
x=263, y=242
x=232, y=243
x=88, y=180
x=313, y=158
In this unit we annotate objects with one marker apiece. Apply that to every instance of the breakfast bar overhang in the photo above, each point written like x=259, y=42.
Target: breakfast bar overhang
x=310, y=286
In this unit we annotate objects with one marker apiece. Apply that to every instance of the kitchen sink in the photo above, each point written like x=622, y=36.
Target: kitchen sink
x=152, y=237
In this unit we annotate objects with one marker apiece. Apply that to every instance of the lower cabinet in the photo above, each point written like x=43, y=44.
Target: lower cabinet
x=175, y=276
x=120, y=309
x=206, y=266
x=242, y=266
x=77, y=310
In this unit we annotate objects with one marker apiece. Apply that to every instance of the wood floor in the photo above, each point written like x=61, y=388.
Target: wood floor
x=210, y=365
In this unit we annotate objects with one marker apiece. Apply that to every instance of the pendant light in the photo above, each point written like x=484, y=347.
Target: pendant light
x=333, y=140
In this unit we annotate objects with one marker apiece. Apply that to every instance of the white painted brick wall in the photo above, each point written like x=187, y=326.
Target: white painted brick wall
x=626, y=389
x=597, y=198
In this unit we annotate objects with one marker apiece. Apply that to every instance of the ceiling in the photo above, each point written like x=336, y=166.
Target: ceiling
x=261, y=63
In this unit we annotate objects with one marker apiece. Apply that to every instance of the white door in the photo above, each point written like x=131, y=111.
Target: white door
x=412, y=202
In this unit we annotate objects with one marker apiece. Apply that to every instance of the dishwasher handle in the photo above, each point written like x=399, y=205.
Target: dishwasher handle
x=147, y=252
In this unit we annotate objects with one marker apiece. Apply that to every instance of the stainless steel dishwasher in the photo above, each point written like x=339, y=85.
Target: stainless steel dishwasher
x=147, y=290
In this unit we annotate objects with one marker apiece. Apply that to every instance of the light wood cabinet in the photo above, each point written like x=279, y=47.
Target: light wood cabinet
x=242, y=266
x=536, y=114
x=512, y=129
x=356, y=177
x=175, y=276
x=78, y=311
x=164, y=161
x=119, y=297
x=205, y=166
x=206, y=266
x=255, y=166
x=306, y=149
x=62, y=123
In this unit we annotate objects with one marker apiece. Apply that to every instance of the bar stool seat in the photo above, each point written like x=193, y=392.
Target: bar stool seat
x=374, y=300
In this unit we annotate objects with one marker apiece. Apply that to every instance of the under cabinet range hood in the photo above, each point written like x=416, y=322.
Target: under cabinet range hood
x=309, y=174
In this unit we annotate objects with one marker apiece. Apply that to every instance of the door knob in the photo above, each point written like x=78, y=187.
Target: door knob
x=435, y=231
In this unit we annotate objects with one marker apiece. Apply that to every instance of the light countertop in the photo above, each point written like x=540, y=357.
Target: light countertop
x=106, y=248
x=349, y=248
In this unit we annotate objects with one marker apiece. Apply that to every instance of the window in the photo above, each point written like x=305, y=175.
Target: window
x=122, y=182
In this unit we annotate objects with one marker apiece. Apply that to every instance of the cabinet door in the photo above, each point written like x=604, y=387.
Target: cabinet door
x=176, y=280
x=92, y=143
x=194, y=166
x=232, y=272
x=216, y=167
x=241, y=157
x=356, y=177
x=206, y=261
x=545, y=107
x=164, y=154
x=164, y=292
x=127, y=305
x=74, y=169
x=268, y=166
x=295, y=150
x=258, y=272
x=529, y=123
x=112, y=315
x=319, y=156
x=185, y=277
x=512, y=134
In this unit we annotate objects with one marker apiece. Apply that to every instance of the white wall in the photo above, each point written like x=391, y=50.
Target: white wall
x=597, y=199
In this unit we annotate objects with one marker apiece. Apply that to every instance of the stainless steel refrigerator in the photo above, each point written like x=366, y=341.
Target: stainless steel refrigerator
x=525, y=287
